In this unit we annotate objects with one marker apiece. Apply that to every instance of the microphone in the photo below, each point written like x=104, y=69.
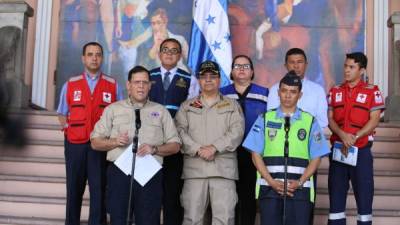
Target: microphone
x=138, y=121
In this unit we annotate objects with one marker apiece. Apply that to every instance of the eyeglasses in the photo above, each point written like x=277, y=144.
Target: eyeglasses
x=241, y=66
x=172, y=51
x=209, y=76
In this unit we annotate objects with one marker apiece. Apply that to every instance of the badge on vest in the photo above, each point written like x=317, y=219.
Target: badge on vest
x=274, y=125
x=339, y=97
x=361, y=98
x=181, y=83
x=378, y=97
x=301, y=134
x=107, y=97
x=77, y=95
x=272, y=134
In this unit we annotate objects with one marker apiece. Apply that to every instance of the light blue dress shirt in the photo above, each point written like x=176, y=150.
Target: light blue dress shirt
x=63, y=105
x=318, y=145
x=312, y=101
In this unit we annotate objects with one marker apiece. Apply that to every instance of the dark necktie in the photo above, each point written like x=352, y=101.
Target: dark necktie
x=167, y=80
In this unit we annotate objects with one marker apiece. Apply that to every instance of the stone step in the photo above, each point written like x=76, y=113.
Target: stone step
x=12, y=220
x=36, y=207
x=48, y=167
x=37, y=151
x=384, y=180
x=388, y=130
x=386, y=144
x=44, y=133
x=36, y=116
x=383, y=199
x=382, y=161
x=380, y=217
x=35, y=186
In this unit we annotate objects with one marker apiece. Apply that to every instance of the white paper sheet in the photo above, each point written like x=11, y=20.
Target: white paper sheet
x=145, y=166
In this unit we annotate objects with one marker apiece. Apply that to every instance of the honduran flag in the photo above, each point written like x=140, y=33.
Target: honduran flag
x=210, y=37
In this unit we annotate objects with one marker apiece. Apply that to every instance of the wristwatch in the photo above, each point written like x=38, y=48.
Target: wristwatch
x=299, y=184
x=154, y=150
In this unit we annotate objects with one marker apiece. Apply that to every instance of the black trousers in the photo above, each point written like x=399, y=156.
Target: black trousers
x=297, y=212
x=146, y=200
x=245, y=212
x=85, y=164
x=172, y=185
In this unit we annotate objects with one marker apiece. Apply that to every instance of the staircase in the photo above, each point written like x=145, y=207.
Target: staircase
x=32, y=179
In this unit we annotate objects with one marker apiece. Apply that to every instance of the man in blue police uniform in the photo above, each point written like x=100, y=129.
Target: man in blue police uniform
x=82, y=101
x=306, y=145
x=170, y=87
x=253, y=101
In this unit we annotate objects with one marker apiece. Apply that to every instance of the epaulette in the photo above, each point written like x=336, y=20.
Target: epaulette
x=75, y=78
x=370, y=86
x=224, y=103
x=109, y=79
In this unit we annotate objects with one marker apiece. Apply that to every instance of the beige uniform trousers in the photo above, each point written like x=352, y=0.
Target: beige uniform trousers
x=198, y=193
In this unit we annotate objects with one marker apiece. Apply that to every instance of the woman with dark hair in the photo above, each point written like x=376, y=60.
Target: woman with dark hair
x=252, y=99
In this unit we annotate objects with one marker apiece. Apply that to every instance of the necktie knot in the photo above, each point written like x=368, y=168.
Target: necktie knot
x=167, y=80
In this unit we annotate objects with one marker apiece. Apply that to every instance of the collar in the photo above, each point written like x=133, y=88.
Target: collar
x=135, y=104
x=296, y=115
x=96, y=77
x=361, y=83
x=172, y=71
x=218, y=99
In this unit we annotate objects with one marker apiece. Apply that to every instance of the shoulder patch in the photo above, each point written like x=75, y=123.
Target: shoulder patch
x=76, y=78
x=109, y=79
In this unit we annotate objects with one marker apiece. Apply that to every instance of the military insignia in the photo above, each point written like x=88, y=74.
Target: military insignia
x=378, y=97
x=197, y=104
x=181, y=83
x=339, y=97
x=107, y=97
x=274, y=125
x=223, y=104
x=301, y=134
x=361, y=98
x=272, y=133
x=77, y=95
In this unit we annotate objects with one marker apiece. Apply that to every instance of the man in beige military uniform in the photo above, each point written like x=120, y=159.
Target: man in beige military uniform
x=211, y=127
x=157, y=136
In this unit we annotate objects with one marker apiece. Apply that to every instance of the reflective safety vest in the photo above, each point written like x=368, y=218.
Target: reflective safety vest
x=298, y=160
x=86, y=108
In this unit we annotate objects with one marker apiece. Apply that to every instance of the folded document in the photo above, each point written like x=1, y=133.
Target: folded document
x=338, y=156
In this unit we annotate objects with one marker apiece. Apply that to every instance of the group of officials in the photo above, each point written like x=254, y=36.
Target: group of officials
x=219, y=148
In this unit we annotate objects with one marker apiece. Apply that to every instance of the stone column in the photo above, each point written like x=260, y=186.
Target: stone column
x=392, y=113
x=14, y=93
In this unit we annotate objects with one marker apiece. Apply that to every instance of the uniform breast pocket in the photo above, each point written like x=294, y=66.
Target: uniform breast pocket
x=359, y=115
x=77, y=112
x=152, y=128
x=338, y=115
x=122, y=124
